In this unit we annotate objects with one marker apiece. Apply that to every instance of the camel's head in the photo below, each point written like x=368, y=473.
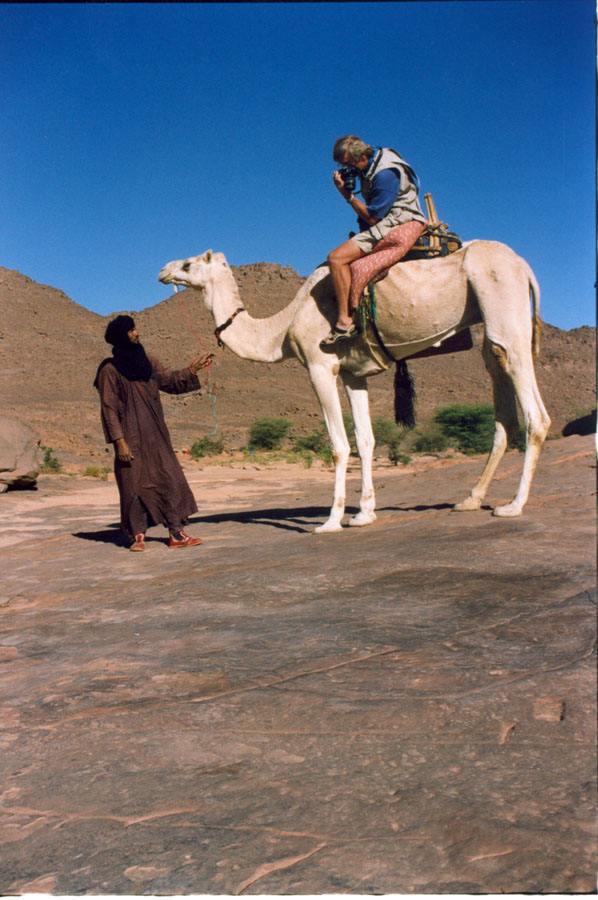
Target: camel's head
x=195, y=271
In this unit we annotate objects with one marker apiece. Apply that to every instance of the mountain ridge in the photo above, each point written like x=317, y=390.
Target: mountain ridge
x=52, y=346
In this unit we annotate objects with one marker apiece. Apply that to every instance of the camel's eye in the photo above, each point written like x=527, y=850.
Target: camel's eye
x=186, y=266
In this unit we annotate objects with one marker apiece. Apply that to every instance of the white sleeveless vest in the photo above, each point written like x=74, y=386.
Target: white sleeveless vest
x=406, y=207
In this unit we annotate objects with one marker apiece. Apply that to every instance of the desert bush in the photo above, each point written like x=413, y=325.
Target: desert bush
x=50, y=463
x=518, y=442
x=430, y=440
x=396, y=455
x=268, y=434
x=469, y=428
x=97, y=472
x=317, y=443
x=349, y=425
x=386, y=432
x=205, y=446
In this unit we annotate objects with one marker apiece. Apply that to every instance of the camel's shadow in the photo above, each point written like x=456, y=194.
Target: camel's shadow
x=419, y=508
x=424, y=508
x=301, y=519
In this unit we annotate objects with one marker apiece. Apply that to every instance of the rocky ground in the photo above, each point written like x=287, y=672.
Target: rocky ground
x=403, y=708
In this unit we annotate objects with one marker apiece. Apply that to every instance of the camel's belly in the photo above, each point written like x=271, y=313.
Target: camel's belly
x=424, y=299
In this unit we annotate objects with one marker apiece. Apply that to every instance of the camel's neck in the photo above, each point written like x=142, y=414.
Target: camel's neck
x=258, y=339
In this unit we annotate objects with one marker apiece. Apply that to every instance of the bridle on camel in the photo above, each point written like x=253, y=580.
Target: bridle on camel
x=218, y=331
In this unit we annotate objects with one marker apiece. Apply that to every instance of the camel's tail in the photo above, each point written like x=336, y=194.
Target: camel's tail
x=404, y=396
x=536, y=320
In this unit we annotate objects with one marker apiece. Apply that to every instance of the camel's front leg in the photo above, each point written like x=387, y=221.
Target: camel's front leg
x=357, y=392
x=324, y=384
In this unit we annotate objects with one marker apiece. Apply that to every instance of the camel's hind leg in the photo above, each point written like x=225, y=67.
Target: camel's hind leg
x=502, y=282
x=537, y=423
x=505, y=411
x=510, y=379
x=357, y=393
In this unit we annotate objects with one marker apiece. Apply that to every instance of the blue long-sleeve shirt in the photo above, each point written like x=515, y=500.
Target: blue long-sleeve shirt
x=385, y=189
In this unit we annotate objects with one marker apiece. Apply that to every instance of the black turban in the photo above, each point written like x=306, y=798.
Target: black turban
x=118, y=329
x=130, y=359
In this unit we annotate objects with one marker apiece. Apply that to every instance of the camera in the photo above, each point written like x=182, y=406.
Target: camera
x=349, y=175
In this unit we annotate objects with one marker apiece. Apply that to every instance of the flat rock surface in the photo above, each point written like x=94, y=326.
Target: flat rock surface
x=408, y=707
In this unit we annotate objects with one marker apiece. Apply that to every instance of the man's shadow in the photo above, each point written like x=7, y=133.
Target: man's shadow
x=300, y=519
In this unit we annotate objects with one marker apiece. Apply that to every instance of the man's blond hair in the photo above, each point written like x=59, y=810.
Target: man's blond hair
x=352, y=145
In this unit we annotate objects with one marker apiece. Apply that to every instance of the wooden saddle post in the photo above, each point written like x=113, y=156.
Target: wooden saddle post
x=434, y=222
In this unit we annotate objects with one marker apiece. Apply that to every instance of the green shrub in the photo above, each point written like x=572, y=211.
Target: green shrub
x=349, y=425
x=386, y=432
x=317, y=443
x=518, y=442
x=396, y=455
x=469, y=428
x=432, y=440
x=97, y=472
x=267, y=434
x=205, y=446
x=50, y=463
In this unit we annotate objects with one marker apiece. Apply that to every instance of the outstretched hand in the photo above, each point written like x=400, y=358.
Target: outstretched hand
x=200, y=362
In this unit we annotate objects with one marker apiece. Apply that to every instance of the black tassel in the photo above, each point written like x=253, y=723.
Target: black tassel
x=404, y=396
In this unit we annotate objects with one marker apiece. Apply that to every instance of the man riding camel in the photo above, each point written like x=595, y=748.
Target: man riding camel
x=390, y=221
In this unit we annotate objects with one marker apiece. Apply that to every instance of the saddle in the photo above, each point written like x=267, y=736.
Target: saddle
x=436, y=240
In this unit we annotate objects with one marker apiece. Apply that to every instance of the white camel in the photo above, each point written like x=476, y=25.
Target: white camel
x=419, y=303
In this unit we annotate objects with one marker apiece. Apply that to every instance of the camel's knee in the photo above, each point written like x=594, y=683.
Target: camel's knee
x=365, y=443
x=340, y=455
x=537, y=426
x=537, y=435
x=499, y=355
x=502, y=433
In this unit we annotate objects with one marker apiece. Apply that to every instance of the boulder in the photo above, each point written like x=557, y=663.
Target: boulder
x=20, y=455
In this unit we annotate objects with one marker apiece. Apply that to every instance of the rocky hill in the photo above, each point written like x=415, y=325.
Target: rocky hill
x=51, y=347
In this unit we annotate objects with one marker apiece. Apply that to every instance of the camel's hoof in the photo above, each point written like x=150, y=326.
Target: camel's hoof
x=507, y=512
x=467, y=505
x=362, y=518
x=328, y=528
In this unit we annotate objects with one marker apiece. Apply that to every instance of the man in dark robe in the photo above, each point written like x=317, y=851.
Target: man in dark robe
x=153, y=489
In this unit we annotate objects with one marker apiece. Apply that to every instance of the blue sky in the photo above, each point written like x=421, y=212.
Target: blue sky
x=140, y=133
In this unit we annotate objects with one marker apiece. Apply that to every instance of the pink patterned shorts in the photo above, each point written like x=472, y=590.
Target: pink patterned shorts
x=386, y=253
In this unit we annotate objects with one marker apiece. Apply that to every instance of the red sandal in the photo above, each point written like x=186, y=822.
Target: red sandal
x=185, y=541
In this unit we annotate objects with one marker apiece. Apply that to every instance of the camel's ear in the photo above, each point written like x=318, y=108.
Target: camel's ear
x=208, y=256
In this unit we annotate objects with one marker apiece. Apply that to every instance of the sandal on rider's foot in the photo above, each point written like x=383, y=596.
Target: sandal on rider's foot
x=339, y=334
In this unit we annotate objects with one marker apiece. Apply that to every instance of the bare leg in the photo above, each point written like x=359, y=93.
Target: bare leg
x=340, y=261
x=385, y=254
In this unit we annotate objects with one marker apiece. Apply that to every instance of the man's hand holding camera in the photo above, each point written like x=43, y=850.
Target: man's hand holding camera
x=339, y=183
x=344, y=180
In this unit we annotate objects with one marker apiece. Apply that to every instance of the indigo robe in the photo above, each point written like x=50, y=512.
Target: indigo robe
x=153, y=489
